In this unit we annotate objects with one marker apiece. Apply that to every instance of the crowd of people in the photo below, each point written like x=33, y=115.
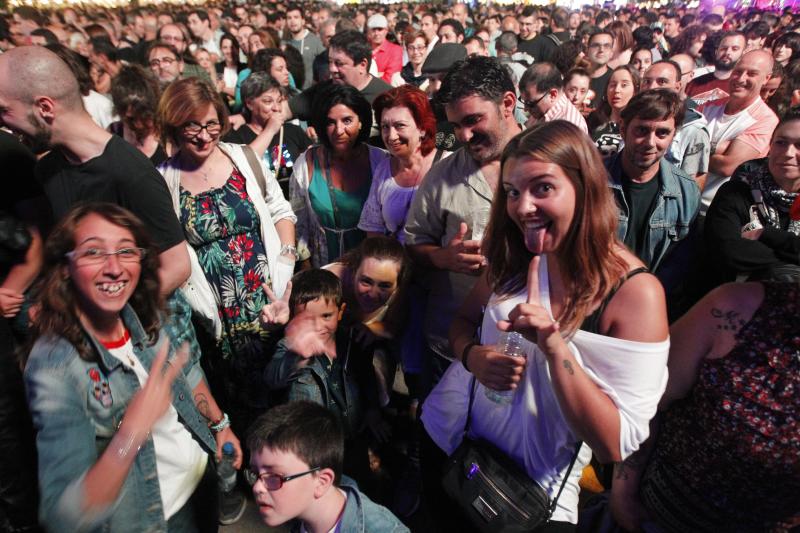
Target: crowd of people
x=394, y=262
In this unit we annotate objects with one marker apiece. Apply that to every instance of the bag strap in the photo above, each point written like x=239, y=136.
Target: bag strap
x=255, y=165
x=554, y=39
x=551, y=509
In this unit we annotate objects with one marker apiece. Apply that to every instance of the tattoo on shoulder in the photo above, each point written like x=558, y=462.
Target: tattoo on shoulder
x=727, y=320
x=568, y=366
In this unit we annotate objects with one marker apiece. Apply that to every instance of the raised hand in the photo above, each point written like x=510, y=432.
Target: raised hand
x=151, y=402
x=302, y=338
x=276, y=313
x=460, y=255
x=531, y=319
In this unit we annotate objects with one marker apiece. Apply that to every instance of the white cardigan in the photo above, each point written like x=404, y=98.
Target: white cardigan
x=270, y=209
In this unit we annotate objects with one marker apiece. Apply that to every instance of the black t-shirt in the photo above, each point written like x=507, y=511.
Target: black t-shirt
x=598, y=85
x=641, y=199
x=301, y=104
x=121, y=175
x=543, y=47
x=295, y=142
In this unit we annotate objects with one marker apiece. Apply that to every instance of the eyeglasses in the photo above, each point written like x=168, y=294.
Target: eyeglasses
x=603, y=46
x=416, y=48
x=193, y=129
x=528, y=105
x=96, y=256
x=274, y=481
x=166, y=61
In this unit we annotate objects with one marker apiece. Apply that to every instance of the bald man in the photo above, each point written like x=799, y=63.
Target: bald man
x=741, y=125
x=40, y=99
x=690, y=149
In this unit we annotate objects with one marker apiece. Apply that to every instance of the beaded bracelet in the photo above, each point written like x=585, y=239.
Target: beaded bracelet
x=216, y=427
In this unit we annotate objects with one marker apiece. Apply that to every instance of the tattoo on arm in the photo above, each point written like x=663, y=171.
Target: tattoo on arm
x=201, y=403
x=569, y=368
x=727, y=320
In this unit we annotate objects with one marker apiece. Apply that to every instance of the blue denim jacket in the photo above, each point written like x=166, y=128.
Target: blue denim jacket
x=676, y=207
x=362, y=515
x=76, y=407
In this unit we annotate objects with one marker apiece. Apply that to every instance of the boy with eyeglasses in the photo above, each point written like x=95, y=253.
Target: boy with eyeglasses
x=296, y=455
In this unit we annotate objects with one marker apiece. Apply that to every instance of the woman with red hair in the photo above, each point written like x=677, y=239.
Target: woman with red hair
x=408, y=129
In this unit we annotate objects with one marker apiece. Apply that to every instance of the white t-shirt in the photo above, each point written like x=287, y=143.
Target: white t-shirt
x=753, y=126
x=387, y=205
x=100, y=108
x=532, y=430
x=180, y=461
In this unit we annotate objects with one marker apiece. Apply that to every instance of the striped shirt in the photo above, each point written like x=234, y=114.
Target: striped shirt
x=564, y=110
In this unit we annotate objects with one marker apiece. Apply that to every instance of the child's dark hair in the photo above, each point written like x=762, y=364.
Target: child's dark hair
x=309, y=285
x=305, y=429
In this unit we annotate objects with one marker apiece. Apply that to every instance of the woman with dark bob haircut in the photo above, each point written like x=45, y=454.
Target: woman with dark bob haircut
x=592, y=321
x=124, y=423
x=786, y=48
x=331, y=182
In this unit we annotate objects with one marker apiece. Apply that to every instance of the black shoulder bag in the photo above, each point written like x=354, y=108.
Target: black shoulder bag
x=494, y=492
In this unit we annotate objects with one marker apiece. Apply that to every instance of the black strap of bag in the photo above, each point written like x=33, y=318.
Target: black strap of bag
x=552, y=507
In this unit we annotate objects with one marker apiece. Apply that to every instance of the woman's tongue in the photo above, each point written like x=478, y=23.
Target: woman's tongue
x=534, y=238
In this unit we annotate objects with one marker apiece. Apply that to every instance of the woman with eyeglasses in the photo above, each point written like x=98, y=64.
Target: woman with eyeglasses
x=279, y=143
x=124, y=424
x=417, y=48
x=240, y=231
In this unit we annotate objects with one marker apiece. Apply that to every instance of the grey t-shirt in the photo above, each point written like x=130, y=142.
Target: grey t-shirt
x=309, y=47
x=451, y=191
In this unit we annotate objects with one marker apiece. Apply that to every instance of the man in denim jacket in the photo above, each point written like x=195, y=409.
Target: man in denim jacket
x=657, y=201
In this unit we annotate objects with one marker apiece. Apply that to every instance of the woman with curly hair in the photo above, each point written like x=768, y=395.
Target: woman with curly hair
x=124, y=424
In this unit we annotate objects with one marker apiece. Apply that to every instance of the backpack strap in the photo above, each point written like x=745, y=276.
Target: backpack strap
x=255, y=165
x=555, y=39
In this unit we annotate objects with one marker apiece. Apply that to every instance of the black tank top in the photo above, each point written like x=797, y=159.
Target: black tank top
x=592, y=322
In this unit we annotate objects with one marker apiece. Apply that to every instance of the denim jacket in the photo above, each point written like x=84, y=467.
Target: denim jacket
x=676, y=207
x=346, y=386
x=76, y=407
x=362, y=515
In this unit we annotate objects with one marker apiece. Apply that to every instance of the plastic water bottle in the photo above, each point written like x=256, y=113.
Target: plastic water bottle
x=225, y=469
x=509, y=343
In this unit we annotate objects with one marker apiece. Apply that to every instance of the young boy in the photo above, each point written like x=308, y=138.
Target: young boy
x=296, y=454
x=319, y=362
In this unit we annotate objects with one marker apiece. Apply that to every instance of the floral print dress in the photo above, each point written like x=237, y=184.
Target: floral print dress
x=223, y=227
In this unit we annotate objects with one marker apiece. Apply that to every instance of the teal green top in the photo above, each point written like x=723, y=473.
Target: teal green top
x=349, y=205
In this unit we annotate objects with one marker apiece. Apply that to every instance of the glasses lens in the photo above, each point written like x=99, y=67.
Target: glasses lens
x=213, y=128
x=131, y=255
x=192, y=129
x=273, y=482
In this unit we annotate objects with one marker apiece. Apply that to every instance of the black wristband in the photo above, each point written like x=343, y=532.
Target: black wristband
x=465, y=353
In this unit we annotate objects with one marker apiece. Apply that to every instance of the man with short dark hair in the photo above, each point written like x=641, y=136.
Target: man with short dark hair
x=429, y=25
x=690, y=149
x=544, y=46
x=714, y=85
x=307, y=43
x=450, y=31
x=657, y=201
x=479, y=99
x=200, y=25
x=672, y=27
x=527, y=23
x=349, y=56
x=542, y=94
x=601, y=48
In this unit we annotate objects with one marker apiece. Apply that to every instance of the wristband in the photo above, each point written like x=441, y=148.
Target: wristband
x=465, y=353
x=288, y=249
x=223, y=423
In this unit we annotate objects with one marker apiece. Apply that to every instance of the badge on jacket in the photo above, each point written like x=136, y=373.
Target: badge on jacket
x=100, y=388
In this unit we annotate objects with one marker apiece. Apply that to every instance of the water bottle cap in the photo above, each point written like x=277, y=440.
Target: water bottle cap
x=227, y=448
